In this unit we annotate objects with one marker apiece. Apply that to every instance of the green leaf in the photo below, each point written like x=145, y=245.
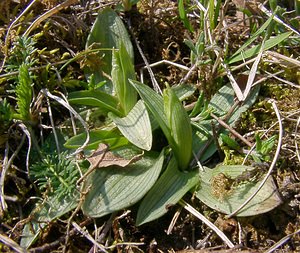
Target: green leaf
x=255, y=50
x=112, y=138
x=115, y=188
x=211, y=13
x=199, y=105
x=52, y=208
x=180, y=127
x=136, y=126
x=108, y=31
x=172, y=118
x=217, y=190
x=253, y=37
x=258, y=142
x=167, y=191
x=220, y=104
x=154, y=103
x=122, y=70
x=183, y=16
x=183, y=91
x=217, y=12
x=230, y=142
x=222, y=101
x=95, y=98
x=267, y=145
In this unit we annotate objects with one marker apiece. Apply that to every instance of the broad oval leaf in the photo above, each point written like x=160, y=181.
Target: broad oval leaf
x=136, y=126
x=107, y=32
x=218, y=191
x=167, y=191
x=95, y=98
x=114, y=188
x=112, y=138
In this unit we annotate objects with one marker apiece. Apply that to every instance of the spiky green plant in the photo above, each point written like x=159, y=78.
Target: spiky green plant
x=56, y=174
x=23, y=52
x=24, y=94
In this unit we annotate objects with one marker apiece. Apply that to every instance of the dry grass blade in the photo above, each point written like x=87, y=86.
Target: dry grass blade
x=165, y=62
x=235, y=133
x=48, y=14
x=5, y=166
x=283, y=60
x=281, y=242
x=252, y=73
x=152, y=77
x=66, y=105
x=269, y=14
x=12, y=244
x=86, y=234
x=272, y=164
x=270, y=75
x=207, y=222
x=6, y=42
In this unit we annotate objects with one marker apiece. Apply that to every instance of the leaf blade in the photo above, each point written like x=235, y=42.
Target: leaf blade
x=113, y=189
x=95, y=98
x=168, y=190
x=265, y=200
x=122, y=70
x=107, y=32
x=136, y=126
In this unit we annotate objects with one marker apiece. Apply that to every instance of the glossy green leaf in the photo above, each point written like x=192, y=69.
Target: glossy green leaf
x=112, y=138
x=154, y=103
x=180, y=127
x=136, y=126
x=107, y=32
x=122, y=70
x=95, y=98
x=167, y=191
x=255, y=50
x=114, y=188
x=218, y=191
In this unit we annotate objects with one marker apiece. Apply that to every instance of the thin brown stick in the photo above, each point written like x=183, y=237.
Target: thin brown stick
x=235, y=133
